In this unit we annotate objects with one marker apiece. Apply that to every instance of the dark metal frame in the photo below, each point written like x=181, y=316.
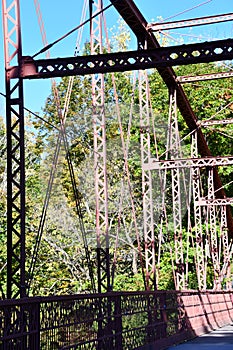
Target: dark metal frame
x=15, y=155
x=125, y=61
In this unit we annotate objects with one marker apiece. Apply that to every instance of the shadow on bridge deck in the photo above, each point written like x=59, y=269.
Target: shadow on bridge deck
x=221, y=338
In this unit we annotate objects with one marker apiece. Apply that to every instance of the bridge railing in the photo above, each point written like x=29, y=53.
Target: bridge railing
x=120, y=321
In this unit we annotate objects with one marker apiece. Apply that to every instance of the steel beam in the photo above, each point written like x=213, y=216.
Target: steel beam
x=148, y=208
x=125, y=61
x=200, y=21
x=211, y=76
x=200, y=260
x=226, y=251
x=216, y=201
x=15, y=154
x=100, y=156
x=211, y=230
x=205, y=123
x=187, y=163
x=175, y=151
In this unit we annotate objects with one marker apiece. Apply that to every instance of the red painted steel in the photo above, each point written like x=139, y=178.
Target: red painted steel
x=137, y=319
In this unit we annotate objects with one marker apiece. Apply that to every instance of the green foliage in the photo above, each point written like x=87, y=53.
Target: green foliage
x=166, y=281
x=128, y=282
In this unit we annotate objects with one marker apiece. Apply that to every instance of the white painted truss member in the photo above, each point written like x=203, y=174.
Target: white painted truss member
x=200, y=256
x=175, y=151
x=154, y=164
x=215, y=201
x=99, y=125
x=148, y=220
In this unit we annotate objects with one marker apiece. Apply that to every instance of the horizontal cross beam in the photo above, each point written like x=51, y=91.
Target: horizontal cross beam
x=187, y=163
x=124, y=61
x=215, y=201
x=190, y=22
x=216, y=122
x=210, y=76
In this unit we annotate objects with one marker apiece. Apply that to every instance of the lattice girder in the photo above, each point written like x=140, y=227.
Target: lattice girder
x=100, y=156
x=211, y=231
x=175, y=152
x=148, y=214
x=15, y=154
x=200, y=257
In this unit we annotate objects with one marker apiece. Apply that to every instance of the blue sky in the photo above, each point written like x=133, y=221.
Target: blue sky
x=61, y=16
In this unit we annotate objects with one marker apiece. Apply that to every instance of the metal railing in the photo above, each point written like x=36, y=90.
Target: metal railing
x=111, y=321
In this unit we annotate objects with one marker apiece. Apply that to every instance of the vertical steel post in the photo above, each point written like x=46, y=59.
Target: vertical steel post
x=174, y=143
x=200, y=257
x=101, y=185
x=226, y=270
x=100, y=155
x=148, y=220
x=212, y=230
x=15, y=153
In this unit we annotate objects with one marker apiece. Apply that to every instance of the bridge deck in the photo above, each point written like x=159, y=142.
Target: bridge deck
x=221, y=338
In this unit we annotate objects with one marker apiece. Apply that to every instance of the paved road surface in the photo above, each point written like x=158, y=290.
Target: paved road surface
x=221, y=339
